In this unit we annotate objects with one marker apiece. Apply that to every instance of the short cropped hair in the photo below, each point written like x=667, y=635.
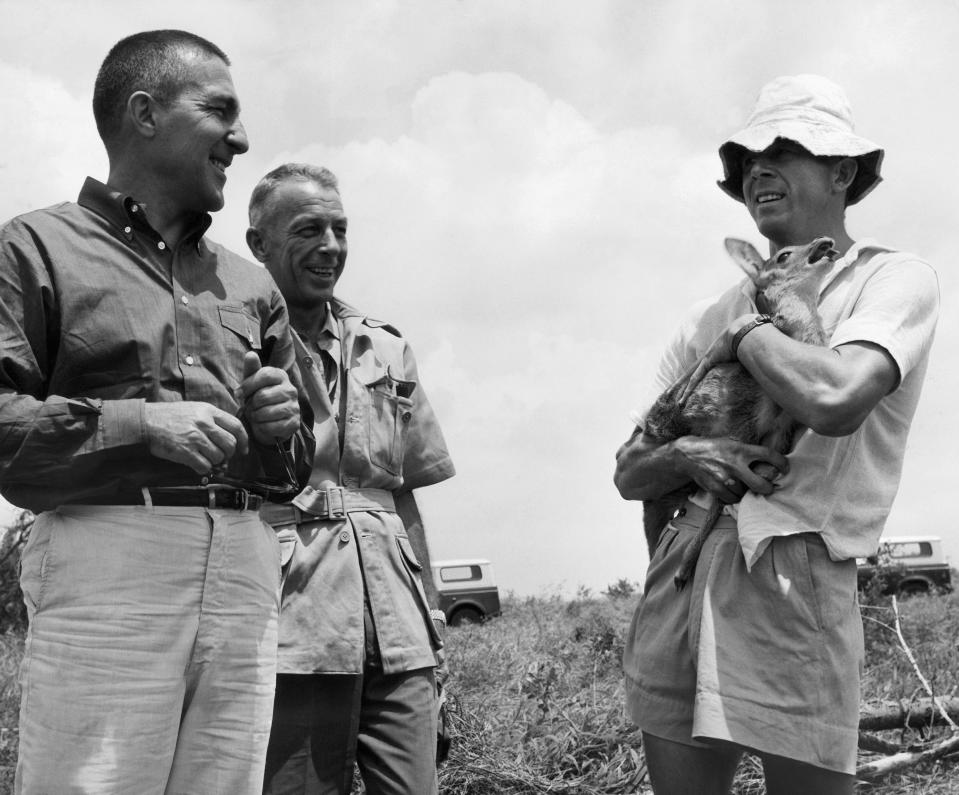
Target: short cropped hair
x=306, y=172
x=154, y=62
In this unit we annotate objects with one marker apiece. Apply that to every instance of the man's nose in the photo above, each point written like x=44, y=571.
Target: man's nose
x=328, y=241
x=237, y=139
x=759, y=167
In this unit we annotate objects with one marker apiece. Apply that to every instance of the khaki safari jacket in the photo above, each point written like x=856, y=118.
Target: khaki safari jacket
x=381, y=434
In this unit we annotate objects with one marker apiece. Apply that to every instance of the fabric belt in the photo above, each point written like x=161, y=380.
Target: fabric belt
x=333, y=503
x=691, y=517
x=183, y=496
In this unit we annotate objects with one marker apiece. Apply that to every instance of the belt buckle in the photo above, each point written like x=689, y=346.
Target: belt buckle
x=240, y=497
x=333, y=510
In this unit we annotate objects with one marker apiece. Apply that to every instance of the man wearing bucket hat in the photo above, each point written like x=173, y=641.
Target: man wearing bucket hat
x=762, y=650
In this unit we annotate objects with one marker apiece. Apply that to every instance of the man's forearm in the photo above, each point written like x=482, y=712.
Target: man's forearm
x=46, y=440
x=646, y=470
x=830, y=390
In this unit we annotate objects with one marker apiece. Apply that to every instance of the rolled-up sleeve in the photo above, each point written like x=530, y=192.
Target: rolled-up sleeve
x=427, y=460
x=896, y=309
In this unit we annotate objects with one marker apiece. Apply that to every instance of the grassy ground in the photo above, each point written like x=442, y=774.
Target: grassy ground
x=537, y=695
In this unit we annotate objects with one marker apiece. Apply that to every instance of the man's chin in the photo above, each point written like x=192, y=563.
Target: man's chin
x=216, y=203
x=772, y=228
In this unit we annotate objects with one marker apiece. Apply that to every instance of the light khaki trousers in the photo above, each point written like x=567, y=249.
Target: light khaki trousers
x=151, y=651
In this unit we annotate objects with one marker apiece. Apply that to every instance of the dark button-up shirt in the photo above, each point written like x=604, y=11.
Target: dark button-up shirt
x=98, y=315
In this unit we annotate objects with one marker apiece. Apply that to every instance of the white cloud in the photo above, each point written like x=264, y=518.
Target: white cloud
x=48, y=143
x=532, y=201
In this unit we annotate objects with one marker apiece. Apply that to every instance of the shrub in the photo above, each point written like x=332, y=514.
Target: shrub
x=13, y=613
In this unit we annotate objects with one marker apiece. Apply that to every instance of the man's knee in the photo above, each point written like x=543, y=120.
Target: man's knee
x=791, y=777
x=679, y=769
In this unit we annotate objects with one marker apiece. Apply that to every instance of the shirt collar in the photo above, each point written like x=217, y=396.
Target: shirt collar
x=851, y=257
x=847, y=260
x=330, y=326
x=124, y=211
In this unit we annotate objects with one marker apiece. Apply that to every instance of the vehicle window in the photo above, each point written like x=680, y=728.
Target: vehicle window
x=460, y=573
x=913, y=549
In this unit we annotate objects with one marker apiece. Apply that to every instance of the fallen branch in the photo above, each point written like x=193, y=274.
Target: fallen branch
x=876, y=745
x=896, y=716
x=890, y=764
x=933, y=707
x=915, y=667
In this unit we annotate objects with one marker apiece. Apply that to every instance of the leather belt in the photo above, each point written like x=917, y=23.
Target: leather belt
x=332, y=503
x=183, y=496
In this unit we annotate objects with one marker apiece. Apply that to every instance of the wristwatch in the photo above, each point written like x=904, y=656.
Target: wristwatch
x=759, y=320
x=438, y=615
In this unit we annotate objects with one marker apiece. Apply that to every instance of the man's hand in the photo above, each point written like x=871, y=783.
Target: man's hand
x=270, y=400
x=723, y=466
x=196, y=434
x=442, y=670
x=441, y=673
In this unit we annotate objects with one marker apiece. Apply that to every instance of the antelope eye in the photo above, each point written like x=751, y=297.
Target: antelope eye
x=782, y=256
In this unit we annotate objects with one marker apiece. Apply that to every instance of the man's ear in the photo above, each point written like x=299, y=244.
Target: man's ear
x=256, y=243
x=141, y=113
x=844, y=173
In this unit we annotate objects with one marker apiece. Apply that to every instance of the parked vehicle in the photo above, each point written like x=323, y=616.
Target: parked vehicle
x=467, y=590
x=907, y=565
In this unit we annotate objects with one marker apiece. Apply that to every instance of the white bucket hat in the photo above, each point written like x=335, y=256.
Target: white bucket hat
x=813, y=112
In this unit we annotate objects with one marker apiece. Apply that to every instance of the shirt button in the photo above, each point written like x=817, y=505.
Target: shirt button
x=307, y=361
x=204, y=481
x=127, y=229
x=344, y=536
x=135, y=208
x=184, y=300
x=407, y=416
x=161, y=245
x=189, y=360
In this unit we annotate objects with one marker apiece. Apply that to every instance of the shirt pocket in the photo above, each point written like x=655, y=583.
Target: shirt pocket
x=240, y=334
x=390, y=413
x=242, y=324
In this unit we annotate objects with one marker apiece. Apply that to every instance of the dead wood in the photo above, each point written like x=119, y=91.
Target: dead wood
x=894, y=762
x=876, y=745
x=913, y=714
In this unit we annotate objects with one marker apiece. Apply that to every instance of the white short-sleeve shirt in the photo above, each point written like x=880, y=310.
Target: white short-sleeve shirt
x=840, y=487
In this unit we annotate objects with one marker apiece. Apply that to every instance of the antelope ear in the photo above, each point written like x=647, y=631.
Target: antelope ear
x=745, y=256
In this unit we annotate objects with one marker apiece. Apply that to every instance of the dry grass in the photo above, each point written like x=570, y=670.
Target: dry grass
x=11, y=650
x=537, y=698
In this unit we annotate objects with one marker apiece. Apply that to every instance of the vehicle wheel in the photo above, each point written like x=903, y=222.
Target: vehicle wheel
x=466, y=615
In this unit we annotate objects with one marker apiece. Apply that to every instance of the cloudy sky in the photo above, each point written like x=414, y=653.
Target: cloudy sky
x=532, y=201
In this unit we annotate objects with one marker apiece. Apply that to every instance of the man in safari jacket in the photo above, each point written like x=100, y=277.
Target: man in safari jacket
x=358, y=632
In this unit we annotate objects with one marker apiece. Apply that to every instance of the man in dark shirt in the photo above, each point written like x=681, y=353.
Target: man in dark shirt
x=146, y=409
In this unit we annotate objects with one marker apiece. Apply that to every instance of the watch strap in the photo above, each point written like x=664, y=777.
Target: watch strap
x=759, y=320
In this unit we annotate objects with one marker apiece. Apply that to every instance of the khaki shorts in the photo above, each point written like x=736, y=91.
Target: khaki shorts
x=768, y=659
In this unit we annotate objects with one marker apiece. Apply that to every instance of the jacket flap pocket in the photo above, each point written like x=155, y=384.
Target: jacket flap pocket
x=407, y=549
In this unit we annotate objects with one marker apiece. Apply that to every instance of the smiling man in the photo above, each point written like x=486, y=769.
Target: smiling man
x=359, y=626
x=147, y=411
x=762, y=650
